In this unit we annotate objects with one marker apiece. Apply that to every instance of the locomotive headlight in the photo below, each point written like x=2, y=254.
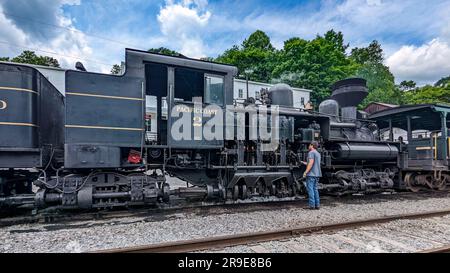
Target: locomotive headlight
x=3, y=105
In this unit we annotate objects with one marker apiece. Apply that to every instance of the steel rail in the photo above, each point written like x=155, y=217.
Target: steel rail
x=257, y=237
x=61, y=216
x=67, y=216
x=442, y=249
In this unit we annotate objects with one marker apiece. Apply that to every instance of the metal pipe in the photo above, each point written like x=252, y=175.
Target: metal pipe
x=330, y=186
x=342, y=125
x=391, y=134
x=435, y=146
x=111, y=195
x=252, y=167
x=194, y=192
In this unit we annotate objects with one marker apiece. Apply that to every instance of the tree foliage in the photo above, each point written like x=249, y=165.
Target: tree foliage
x=30, y=57
x=318, y=63
x=165, y=51
x=371, y=54
x=444, y=82
x=380, y=80
x=381, y=84
x=115, y=70
x=256, y=55
x=407, y=85
x=437, y=93
x=258, y=40
x=314, y=64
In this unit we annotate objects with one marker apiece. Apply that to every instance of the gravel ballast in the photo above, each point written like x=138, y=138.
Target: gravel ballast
x=134, y=231
x=397, y=236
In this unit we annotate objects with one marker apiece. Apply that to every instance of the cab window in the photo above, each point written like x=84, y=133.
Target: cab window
x=214, y=89
x=191, y=83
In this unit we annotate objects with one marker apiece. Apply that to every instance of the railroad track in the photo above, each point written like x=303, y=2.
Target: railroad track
x=276, y=235
x=65, y=216
x=58, y=216
x=442, y=249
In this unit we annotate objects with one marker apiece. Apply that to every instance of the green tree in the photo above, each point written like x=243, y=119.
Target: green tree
x=428, y=94
x=373, y=53
x=437, y=93
x=318, y=63
x=29, y=57
x=444, y=82
x=380, y=80
x=256, y=54
x=381, y=84
x=258, y=40
x=315, y=64
x=4, y=59
x=115, y=70
x=407, y=85
x=165, y=51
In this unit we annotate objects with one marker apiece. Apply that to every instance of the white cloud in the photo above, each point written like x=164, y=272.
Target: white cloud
x=9, y=34
x=21, y=28
x=181, y=23
x=424, y=64
x=373, y=2
x=393, y=23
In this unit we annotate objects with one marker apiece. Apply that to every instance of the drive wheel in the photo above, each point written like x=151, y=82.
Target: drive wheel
x=235, y=192
x=409, y=181
x=244, y=192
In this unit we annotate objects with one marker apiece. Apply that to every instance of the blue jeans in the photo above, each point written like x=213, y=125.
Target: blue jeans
x=313, y=193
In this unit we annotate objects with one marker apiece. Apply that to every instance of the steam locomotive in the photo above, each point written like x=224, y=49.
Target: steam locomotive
x=94, y=147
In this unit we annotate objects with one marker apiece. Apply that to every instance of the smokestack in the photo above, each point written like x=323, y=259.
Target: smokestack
x=349, y=93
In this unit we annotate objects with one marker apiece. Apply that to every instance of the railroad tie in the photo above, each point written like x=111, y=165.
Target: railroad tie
x=350, y=241
x=296, y=247
x=259, y=249
x=328, y=246
x=389, y=241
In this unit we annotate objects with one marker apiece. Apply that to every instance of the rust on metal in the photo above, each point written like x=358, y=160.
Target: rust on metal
x=442, y=249
x=256, y=237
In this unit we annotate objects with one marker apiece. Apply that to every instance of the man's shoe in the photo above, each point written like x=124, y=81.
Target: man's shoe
x=317, y=208
x=309, y=208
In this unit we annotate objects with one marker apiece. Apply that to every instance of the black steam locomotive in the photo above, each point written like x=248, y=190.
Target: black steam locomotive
x=99, y=148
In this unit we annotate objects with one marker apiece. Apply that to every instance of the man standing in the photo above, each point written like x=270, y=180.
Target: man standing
x=313, y=174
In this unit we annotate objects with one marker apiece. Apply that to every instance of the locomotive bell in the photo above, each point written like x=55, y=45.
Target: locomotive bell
x=281, y=94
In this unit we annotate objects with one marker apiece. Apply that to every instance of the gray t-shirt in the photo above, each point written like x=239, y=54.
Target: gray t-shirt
x=315, y=170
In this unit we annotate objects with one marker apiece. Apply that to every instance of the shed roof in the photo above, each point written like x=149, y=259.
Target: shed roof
x=423, y=116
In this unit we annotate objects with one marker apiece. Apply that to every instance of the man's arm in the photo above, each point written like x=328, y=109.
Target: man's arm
x=309, y=166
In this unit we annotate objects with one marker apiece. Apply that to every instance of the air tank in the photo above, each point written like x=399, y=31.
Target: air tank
x=281, y=94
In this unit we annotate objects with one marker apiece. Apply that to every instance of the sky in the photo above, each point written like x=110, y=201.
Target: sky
x=414, y=34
